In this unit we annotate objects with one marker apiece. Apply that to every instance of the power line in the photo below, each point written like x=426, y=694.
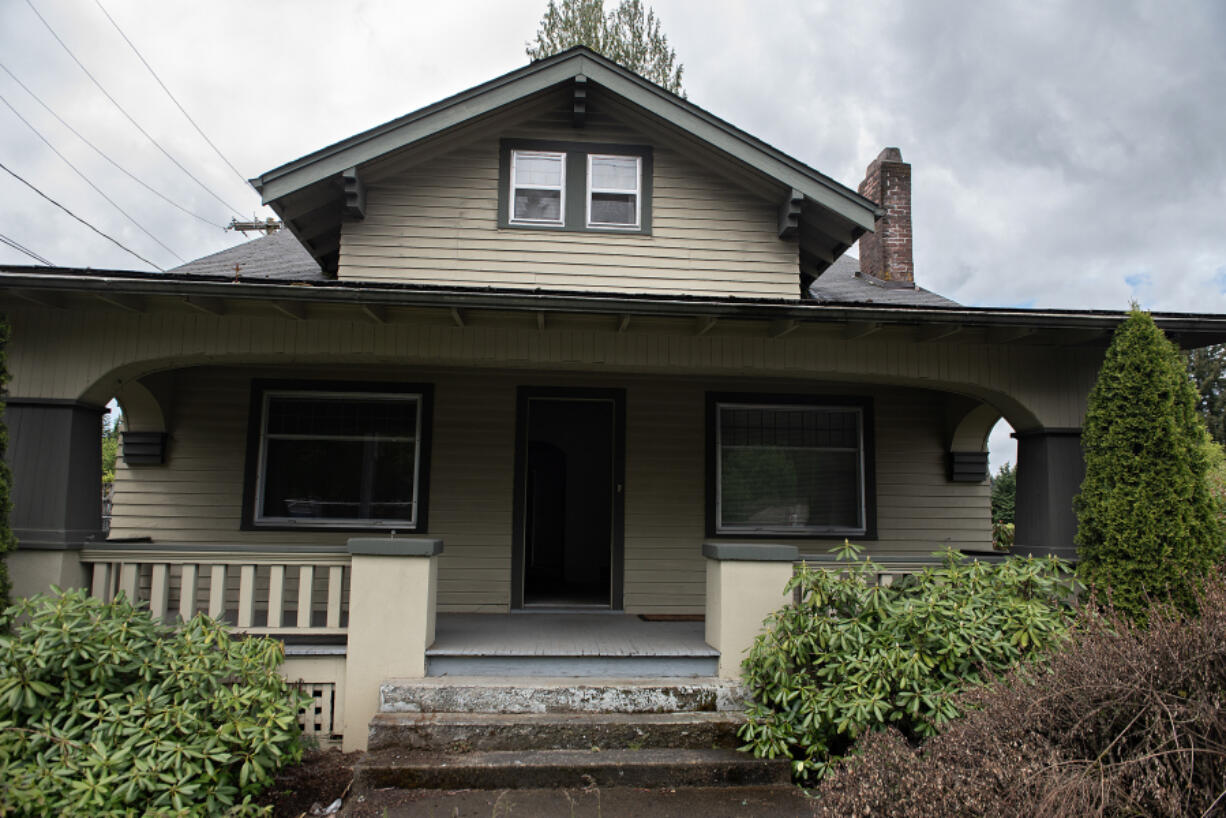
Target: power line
x=103, y=154
x=121, y=109
x=78, y=218
x=89, y=182
x=167, y=90
x=19, y=247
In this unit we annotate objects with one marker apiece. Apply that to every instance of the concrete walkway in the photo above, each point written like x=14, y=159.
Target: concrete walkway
x=611, y=802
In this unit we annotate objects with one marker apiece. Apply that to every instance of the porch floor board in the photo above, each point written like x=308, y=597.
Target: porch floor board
x=566, y=634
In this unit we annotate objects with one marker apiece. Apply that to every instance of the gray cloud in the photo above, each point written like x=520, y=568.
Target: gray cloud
x=1061, y=150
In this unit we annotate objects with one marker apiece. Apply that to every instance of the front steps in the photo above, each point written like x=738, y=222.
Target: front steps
x=483, y=733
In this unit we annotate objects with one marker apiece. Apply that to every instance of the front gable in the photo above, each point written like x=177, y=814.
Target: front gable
x=428, y=199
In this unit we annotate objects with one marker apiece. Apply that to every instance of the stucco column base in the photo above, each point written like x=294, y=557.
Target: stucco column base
x=34, y=572
x=392, y=588
x=1050, y=469
x=745, y=584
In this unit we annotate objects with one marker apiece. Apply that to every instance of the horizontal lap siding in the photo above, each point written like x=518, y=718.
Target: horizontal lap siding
x=437, y=224
x=197, y=496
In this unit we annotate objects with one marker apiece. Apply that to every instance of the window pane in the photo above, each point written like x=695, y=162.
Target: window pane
x=538, y=205
x=538, y=170
x=789, y=468
x=613, y=208
x=339, y=479
x=341, y=416
x=615, y=172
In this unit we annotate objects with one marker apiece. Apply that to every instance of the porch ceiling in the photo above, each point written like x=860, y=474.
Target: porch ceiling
x=68, y=290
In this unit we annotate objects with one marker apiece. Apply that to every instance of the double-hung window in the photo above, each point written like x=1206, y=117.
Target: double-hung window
x=538, y=187
x=789, y=468
x=339, y=458
x=576, y=187
x=613, y=185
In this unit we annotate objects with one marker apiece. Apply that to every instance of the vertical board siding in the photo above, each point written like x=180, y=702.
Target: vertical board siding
x=437, y=223
x=196, y=497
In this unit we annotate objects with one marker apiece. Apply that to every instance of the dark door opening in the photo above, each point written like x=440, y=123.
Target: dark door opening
x=569, y=497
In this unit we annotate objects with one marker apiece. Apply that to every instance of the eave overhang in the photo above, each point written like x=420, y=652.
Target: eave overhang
x=140, y=292
x=309, y=193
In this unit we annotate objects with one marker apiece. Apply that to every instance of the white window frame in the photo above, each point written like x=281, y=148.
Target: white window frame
x=561, y=187
x=806, y=530
x=258, y=518
x=637, y=192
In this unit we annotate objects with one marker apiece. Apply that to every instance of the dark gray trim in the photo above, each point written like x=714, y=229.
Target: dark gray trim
x=45, y=539
x=750, y=552
x=968, y=467
x=360, y=293
x=251, y=467
x=59, y=403
x=575, y=217
x=869, y=458
x=144, y=448
x=1052, y=432
x=273, y=548
x=386, y=547
x=548, y=73
x=617, y=567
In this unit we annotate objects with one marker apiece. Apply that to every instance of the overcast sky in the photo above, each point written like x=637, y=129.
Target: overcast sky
x=1065, y=154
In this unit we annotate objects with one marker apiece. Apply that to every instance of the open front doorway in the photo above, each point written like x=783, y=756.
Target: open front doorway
x=569, y=492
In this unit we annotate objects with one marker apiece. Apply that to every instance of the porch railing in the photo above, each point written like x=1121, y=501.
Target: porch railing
x=274, y=590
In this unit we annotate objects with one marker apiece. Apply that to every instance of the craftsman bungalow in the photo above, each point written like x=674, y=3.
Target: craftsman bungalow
x=564, y=342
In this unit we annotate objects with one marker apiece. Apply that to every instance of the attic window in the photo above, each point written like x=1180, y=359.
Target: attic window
x=576, y=187
x=538, y=187
x=613, y=190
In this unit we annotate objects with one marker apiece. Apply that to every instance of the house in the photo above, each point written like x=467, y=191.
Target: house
x=564, y=343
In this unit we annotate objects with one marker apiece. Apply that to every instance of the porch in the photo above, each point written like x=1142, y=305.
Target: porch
x=351, y=620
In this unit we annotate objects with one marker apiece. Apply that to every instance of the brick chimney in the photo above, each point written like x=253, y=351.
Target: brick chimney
x=886, y=254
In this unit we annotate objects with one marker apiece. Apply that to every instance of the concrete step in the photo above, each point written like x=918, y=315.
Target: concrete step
x=443, y=664
x=481, y=694
x=469, y=732
x=567, y=768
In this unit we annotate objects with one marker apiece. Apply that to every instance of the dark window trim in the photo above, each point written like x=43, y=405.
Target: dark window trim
x=864, y=404
x=617, y=569
x=575, y=217
x=254, y=422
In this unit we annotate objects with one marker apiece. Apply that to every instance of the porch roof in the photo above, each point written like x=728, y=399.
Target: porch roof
x=140, y=292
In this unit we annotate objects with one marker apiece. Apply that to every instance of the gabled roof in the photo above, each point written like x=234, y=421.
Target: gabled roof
x=309, y=193
x=277, y=257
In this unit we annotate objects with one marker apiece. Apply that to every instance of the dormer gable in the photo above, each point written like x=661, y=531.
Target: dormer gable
x=569, y=174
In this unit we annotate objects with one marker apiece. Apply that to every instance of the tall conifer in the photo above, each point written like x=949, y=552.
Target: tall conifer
x=1146, y=523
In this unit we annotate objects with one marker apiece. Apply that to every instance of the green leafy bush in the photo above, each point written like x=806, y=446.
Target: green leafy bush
x=1147, y=528
x=105, y=712
x=853, y=656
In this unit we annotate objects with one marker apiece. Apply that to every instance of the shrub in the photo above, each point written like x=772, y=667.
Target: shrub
x=1124, y=721
x=853, y=656
x=104, y=711
x=1147, y=527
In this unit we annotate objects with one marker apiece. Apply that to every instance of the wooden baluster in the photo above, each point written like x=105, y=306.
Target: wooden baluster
x=306, y=582
x=276, y=588
x=127, y=580
x=101, y=586
x=246, y=595
x=159, y=590
x=187, y=591
x=336, y=575
x=217, y=592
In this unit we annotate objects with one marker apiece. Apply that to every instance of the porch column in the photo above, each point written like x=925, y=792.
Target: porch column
x=392, y=588
x=1049, y=474
x=745, y=583
x=55, y=455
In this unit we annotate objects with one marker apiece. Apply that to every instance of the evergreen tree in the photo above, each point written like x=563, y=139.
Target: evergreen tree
x=1147, y=527
x=630, y=35
x=1207, y=368
x=7, y=541
x=1004, y=494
